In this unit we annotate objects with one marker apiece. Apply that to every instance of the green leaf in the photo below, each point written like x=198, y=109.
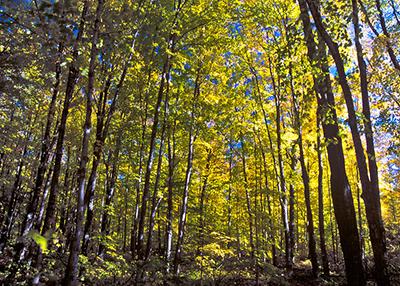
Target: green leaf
x=40, y=240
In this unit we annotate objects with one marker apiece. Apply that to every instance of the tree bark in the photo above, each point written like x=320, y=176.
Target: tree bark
x=170, y=186
x=105, y=219
x=321, y=217
x=182, y=217
x=312, y=251
x=341, y=192
x=50, y=219
x=150, y=160
x=248, y=203
x=370, y=194
x=71, y=272
x=45, y=150
x=102, y=127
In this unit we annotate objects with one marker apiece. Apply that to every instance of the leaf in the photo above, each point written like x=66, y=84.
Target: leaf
x=40, y=240
x=85, y=72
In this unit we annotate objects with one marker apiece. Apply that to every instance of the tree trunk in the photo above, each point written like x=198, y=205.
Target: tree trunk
x=105, y=220
x=248, y=203
x=155, y=201
x=321, y=218
x=150, y=160
x=65, y=206
x=371, y=188
x=71, y=272
x=312, y=251
x=267, y=189
x=341, y=192
x=101, y=135
x=281, y=174
x=283, y=192
x=7, y=224
x=182, y=217
x=45, y=150
x=50, y=220
x=97, y=151
x=171, y=167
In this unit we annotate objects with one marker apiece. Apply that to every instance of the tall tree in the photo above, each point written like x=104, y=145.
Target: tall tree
x=341, y=192
x=71, y=272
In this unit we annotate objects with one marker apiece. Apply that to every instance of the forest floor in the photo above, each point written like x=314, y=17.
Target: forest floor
x=270, y=276
x=226, y=272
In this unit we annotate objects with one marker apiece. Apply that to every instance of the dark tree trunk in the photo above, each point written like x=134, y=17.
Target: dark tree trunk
x=105, y=219
x=7, y=224
x=371, y=188
x=283, y=191
x=65, y=206
x=389, y=48
x=192, y=138
x=102, y=127
x=281, y=175
x=321, y=218
x=312, y=251
x=150, y=160
x=50, y=219
x=155, y=201
x=45, y=150
x=71, y=272
x=248, y=203
x=341, y=192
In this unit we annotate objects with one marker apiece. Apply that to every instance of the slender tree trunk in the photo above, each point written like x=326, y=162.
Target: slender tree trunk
x=229, y=202
x=137, y=199
x=389, y=48
x=248, y=204
x=97, y=150
x=40, y=214
x=257, y=215
x=140, y=168
x=149, y=164
x=360, y=224
x=71, y=272
x=321, y=218
x=50, y=219
x=45, y=149
x=182, y=217
x=101, y=135
x=171, y=167
x=7, y=225
x=268, y=191
x=312, y=251
x=395, y=11
x=155, y=201
x=371, y=188
x=281, y=176
x=202, y=212
x=105, y=219
x=283, y=192
x=382, y=21
x=292, y=217
x=65, y=206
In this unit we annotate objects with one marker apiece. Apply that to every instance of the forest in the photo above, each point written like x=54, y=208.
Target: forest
x=200, y=142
